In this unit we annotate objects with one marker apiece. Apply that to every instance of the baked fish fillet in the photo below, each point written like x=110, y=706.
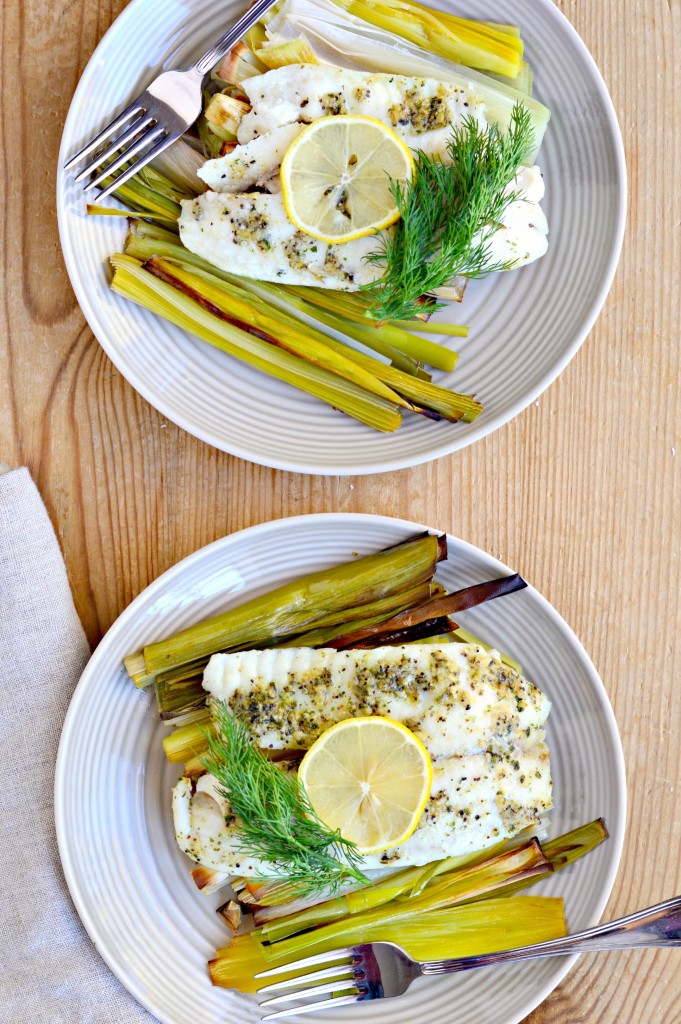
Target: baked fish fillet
x=420, y=111
x=457, y=698
x=249, y=233
x=254, y=163
x=476, y=801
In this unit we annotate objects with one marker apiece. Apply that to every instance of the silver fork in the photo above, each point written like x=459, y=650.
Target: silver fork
x=381, y=970
x=159, y=115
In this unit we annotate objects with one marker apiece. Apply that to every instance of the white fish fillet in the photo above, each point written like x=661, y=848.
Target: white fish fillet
x=248, y=233
x=482, y=723
x=251, y=164
x=419, y=110
x=457, y=698
x=476, y=801
x=522, y=235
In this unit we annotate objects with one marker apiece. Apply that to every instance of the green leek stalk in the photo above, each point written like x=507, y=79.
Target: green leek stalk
x=180, y=690
x=133, y=282
x=374, y=336
x=568, y=848
x=416, y=595
x=471, y=43
x=393, y=332
x=143, y=245
x=175, y=699
x=245, y=312
x=292, y=608
x=188, y=741
x=325, y=635
x=485, y=927
x=393, y=343
x=467, y=884
x=150, y=193
x=427, y=327
x=110, y=211
x=328, y=627
x=205, y=289
x=407, y=882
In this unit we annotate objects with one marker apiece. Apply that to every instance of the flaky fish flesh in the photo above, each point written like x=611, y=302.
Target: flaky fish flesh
x=249, y=233
x=457, y=698
x=421, y=111
x=482, y=723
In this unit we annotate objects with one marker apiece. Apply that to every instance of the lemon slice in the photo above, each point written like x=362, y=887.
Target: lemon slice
x=335, y=177
x=370, y=778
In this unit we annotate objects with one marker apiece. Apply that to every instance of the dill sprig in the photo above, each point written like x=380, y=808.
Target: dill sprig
x=448, y=213
x=275, y=820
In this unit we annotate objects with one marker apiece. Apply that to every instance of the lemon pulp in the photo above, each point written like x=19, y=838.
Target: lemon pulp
x=336, y=176
x=370, y=778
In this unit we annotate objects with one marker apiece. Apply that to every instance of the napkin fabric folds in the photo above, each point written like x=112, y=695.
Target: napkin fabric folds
x=50, y=973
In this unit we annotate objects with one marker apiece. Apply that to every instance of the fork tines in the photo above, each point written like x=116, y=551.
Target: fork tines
x=137, y=136
x=343, y=978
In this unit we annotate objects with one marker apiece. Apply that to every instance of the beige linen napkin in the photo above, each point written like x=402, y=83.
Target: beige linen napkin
x=50, y=973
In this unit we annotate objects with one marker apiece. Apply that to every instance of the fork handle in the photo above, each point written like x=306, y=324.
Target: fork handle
x=657, y=926
x=232, y=36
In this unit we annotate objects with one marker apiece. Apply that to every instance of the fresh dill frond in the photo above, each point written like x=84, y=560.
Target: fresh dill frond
x=448, y=213
x=275, y=820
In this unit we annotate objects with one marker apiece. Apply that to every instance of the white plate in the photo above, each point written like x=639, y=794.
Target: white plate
x=129, y=881
x=525, y=326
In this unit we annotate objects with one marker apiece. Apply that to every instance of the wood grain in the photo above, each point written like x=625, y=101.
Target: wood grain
x=581, y=492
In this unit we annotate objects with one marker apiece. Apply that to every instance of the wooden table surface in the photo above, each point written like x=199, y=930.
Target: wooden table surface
x=581, y=491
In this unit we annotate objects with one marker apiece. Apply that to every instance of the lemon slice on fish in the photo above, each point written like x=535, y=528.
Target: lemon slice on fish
x=335, y=177
x=370, y=778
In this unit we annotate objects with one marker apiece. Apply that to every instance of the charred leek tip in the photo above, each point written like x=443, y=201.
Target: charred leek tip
x=241, y=63
x=208, y=880
x=437, y=608
x=568, y=848
x=230, y=912
x=225, y=112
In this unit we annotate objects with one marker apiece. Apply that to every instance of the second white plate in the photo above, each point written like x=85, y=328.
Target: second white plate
x=129, y=881
x=525, y=325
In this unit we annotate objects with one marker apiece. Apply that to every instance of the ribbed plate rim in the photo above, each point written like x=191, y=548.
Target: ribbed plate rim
x=76, y=884
x=458, y=440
